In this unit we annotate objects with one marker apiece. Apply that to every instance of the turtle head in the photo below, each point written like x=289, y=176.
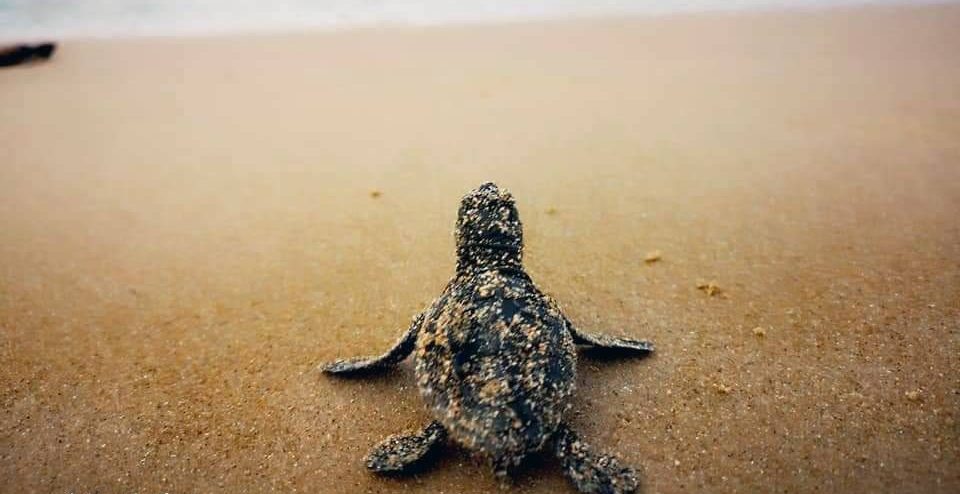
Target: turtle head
x=489, y=233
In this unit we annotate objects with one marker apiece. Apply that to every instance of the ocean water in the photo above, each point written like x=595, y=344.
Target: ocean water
x=67, y=18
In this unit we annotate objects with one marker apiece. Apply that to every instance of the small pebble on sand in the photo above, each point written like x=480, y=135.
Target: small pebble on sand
x=711, y=288
x=722, y=388
x=914, y=395
x=375, y=194
x=652, y=257
x=759, y=331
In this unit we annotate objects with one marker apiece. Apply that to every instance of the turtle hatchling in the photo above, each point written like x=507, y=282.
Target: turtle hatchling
x=496, y=360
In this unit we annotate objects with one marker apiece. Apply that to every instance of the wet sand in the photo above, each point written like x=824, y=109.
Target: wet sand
x=189, y=226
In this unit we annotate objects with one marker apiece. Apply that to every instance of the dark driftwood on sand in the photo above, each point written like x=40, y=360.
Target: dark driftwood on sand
x=20, y=54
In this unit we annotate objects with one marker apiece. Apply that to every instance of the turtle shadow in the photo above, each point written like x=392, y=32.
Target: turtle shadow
x=613, y=354
x=429, y=462
x=374, y=385
x=376, y=376
x=536, y=468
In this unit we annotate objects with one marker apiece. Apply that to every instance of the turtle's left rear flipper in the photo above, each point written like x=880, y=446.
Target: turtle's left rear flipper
x=403, y=453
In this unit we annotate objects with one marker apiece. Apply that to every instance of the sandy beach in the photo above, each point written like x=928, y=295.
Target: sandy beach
x=189, y=226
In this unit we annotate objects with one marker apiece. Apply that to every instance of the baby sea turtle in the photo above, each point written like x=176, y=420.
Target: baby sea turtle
x=496, y=360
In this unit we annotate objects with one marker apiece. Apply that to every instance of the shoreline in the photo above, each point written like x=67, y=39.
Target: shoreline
x=825, y=8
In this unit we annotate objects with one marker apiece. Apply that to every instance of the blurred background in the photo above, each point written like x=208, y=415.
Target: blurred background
x=27, y=18
x=202, y=201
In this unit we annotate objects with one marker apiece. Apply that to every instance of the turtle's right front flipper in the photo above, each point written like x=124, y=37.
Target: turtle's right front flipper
x=609, y=344
x=400, y=350
x=403, y=453
x=590, y=472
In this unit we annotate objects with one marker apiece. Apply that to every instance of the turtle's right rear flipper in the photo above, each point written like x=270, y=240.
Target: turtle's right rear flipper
x=590, y=472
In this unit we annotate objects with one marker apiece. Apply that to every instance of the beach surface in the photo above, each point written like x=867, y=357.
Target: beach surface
x=189, y=226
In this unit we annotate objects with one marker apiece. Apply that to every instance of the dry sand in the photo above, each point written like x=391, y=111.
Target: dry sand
x=188, y=227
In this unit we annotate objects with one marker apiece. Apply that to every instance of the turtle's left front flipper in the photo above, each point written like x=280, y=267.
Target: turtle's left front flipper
x=360, y=365
x=403, y=453
x=590, y=472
